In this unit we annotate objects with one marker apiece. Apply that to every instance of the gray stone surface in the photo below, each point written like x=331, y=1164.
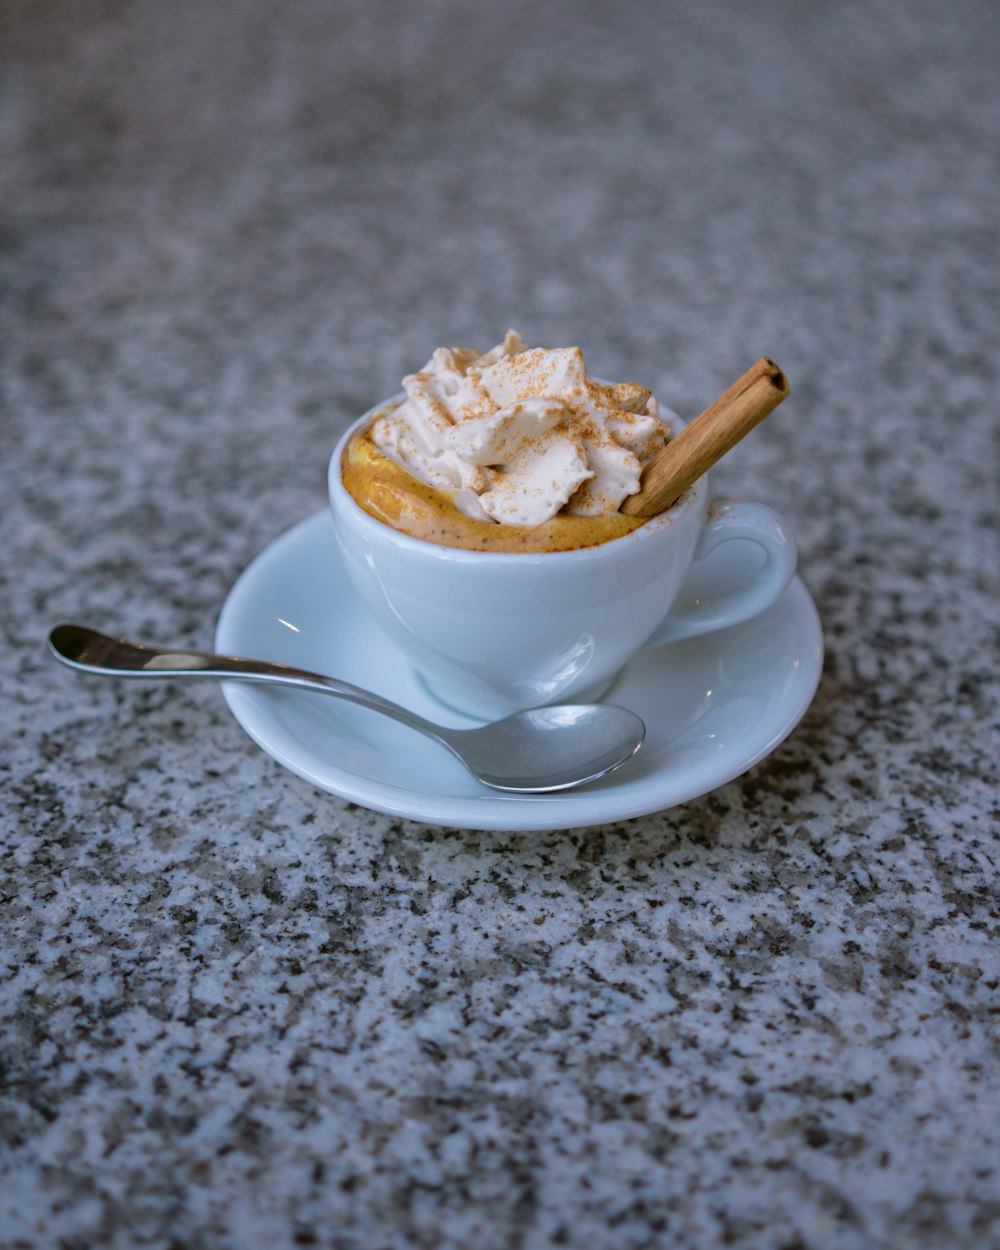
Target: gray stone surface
x=238, y=1012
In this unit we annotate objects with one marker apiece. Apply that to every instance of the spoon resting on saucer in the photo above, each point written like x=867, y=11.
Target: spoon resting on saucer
x=534, y=751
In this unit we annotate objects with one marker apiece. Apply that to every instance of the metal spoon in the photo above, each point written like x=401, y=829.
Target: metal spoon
x=541, y=749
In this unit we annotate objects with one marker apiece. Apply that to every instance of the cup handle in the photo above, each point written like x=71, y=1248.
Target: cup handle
x=725, y=521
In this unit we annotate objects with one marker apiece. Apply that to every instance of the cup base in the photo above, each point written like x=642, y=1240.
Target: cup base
x=592, y=694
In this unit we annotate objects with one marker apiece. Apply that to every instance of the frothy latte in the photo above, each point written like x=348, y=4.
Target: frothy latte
x=514, y=449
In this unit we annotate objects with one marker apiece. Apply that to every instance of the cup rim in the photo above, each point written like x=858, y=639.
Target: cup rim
x=340, y=497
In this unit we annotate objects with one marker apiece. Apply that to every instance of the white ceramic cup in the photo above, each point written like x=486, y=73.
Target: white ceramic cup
x=491, y=632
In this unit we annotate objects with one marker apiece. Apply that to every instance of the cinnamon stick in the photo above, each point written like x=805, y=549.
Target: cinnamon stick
x=699, y=445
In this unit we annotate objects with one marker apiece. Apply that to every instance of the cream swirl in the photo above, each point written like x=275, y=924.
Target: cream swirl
x=519, y=434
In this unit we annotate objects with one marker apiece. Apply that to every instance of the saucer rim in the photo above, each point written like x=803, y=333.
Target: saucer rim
x=611, y=800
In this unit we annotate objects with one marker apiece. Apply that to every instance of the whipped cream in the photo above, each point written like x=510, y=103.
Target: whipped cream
x=518, y=434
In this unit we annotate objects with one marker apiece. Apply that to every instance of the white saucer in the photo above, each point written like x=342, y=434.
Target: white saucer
x=713, y=706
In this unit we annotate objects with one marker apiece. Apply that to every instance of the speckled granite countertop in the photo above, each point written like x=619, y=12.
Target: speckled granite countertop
x=237, y=1011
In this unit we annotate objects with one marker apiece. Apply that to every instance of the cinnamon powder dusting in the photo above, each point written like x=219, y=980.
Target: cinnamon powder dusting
x=519, y=435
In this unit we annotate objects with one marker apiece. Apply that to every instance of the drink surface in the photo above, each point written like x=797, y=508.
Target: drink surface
x=387, y=492
x=517, y=434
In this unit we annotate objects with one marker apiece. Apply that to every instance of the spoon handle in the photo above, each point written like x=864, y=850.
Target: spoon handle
x=90, y=651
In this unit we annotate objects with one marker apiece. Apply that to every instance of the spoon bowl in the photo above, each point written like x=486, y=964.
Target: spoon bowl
x=536, y=751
